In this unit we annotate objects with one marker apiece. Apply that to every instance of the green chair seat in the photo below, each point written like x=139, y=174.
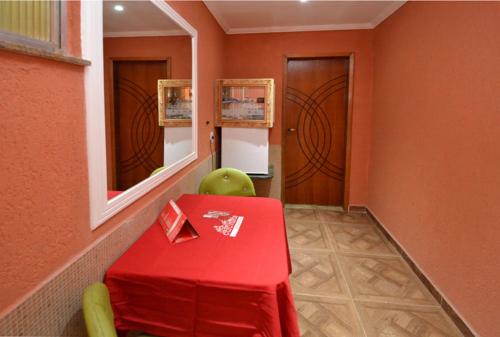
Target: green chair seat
x=227, y=181
x=98, y=314
x=158, y=170
x=97, y=311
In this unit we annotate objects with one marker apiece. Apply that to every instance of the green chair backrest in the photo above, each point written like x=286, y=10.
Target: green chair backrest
x=158, y=170
x=227, y=181
x=97, y=311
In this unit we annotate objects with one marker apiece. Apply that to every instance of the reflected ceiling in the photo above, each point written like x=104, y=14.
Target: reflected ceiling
x=138, y=18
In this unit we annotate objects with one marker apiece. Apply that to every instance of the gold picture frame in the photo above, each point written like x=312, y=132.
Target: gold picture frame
x=175, y=103
x=245, y=103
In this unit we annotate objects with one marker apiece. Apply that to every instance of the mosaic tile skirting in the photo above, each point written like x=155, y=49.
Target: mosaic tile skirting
x=55, y=309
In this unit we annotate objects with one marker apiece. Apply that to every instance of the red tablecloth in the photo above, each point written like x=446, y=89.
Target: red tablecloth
x=212, y=286
x=112, y=194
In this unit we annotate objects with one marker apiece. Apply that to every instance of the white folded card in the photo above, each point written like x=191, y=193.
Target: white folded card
x=236, y=227
x=230, y=226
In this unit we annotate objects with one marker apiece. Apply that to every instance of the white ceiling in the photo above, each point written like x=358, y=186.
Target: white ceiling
x=139, y=18
x=241, y=17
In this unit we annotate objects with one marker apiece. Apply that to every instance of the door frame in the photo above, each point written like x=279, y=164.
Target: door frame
x=110, y=113
x=347, y=173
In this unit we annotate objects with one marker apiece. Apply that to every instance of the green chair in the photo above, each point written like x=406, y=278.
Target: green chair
x=97, y=312
x=158, y=170
x=227, y=181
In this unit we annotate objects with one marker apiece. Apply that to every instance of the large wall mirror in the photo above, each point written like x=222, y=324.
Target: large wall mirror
x=132, y=46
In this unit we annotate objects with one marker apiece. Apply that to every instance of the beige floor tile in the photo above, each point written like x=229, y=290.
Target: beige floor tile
x=386, y=279
x=344, y=217
x=303, y=206
x=317, y=273
x=302, y=234
x=330, y=208
x=362, y=239
x=342, y=258
x=301, y=214
x=320, y=317
x=394, y=320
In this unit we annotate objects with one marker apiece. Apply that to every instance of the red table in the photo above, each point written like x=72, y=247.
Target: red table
x=212, y=286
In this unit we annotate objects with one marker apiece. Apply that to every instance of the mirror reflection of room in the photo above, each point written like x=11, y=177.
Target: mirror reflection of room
x=179, y=103
x=175, y=104
x=141, y=46
x=245, y=103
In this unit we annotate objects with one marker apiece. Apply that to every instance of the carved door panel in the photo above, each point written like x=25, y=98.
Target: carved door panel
x=138, y=137
x=315, y=113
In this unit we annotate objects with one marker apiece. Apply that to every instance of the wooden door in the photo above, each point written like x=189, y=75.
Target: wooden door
x=138, y=137
x=315, y=113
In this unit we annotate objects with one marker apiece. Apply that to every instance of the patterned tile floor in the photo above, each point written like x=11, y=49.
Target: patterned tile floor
x=348, y=280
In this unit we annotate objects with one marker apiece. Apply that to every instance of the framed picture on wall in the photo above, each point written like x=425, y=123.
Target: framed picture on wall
x=174, y=103
x=244, y=103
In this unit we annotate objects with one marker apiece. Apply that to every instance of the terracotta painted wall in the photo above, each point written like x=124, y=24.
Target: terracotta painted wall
x=176, y=47
x=434, y=172
x=261, y=55
x=43, y=171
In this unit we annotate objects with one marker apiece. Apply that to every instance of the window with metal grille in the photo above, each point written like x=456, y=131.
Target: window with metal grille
x=31, y=23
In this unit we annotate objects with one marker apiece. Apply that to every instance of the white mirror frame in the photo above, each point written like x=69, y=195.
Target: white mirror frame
x=101, y=209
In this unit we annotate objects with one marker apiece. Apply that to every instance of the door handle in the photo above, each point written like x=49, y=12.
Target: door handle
x=291, y=130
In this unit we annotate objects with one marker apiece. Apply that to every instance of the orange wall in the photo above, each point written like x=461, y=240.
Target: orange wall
x=261, y=56
x=434, y=172
x=176, y=47
x=44, y=183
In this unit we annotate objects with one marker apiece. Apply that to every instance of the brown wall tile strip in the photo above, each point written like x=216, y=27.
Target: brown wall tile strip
x=461, y=325
x=357, y=209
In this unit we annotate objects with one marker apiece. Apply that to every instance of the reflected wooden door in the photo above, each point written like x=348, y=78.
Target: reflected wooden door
x=315, y=112
x=138, y=137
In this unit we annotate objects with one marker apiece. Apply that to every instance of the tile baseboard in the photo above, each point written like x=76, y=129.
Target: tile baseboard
x=357, y=209
x=440, y=298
